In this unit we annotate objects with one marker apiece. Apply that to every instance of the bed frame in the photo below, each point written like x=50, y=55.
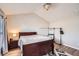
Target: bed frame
x=38, y=48
x=27, y=33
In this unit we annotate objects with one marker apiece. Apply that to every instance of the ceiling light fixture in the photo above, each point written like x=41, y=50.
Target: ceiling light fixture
x=47, y=6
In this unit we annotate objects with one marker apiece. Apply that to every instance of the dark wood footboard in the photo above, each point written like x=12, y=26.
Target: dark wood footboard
x=38, y=49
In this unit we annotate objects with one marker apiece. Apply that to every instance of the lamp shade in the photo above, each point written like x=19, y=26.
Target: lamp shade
x=14, y=34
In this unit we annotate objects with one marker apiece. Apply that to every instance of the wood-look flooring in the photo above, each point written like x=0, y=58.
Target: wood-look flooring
x=71, y=51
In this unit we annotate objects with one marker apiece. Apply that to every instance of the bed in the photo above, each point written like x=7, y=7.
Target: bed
x=32, y=44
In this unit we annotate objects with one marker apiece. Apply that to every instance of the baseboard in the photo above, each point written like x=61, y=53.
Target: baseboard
x=68, y=46
x=71, y=46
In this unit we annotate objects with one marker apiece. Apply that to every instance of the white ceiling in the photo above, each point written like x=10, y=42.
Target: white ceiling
x=56, y=12
x=18, y=8
x=59, y=11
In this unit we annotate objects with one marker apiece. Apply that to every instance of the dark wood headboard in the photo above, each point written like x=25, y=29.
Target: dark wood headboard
x=27, y=33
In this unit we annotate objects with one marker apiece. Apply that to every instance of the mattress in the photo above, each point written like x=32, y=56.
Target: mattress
x=33, y=39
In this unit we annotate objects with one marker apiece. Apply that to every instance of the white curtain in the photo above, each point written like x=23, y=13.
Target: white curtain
x=1, y=32
x=3, y=36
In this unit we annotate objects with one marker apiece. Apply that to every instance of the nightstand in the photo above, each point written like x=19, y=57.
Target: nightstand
x=12, y=44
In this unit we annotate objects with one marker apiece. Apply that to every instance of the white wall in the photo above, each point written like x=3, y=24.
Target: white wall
x=26, y=22
x=71, y=30
x=65, y=15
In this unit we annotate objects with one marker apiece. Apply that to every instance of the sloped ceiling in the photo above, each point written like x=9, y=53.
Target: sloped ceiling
x=56, y=12
x=18, y=8
x=59, y=11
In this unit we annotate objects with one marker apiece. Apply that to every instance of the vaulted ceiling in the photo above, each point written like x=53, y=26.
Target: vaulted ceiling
x=18, y=8
x=56, y=11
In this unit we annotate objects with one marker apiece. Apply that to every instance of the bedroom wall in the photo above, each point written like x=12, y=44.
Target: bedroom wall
x=26, y=23
x=65, y=15
x=71, y=30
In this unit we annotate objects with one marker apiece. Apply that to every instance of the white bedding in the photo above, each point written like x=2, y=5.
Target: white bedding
x=32, y=39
